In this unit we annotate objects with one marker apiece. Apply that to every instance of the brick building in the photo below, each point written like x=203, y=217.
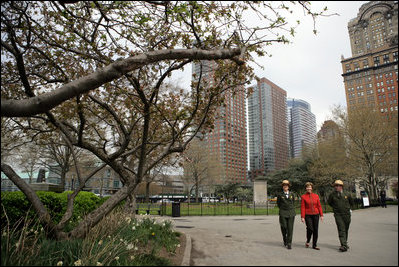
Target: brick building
x=371, y=74
x=228, y=139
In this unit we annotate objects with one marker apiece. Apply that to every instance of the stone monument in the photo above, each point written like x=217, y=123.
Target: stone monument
x=260, y=192
x=41, y=177
x=42, y=185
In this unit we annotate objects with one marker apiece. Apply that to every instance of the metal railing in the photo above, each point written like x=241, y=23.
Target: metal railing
x=221, y=208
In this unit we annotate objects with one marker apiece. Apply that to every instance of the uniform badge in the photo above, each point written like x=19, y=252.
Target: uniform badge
x=346, y=197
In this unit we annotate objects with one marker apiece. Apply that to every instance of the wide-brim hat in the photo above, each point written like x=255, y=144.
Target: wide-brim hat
x=285, y=182
x=338, y=182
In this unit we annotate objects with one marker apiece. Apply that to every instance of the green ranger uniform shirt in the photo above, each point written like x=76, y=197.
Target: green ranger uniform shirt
x=340, y=202
x=286, y=205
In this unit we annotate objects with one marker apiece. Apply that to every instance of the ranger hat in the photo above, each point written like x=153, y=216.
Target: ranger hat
x=338, y=182
x=285, y=182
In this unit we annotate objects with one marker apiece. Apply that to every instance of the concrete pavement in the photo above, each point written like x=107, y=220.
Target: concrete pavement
x=257, y=240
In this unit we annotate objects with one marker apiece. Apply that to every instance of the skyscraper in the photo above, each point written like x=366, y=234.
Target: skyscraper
x=268, y=135
x=301, y=126
x=228, y=139
x=371, y=74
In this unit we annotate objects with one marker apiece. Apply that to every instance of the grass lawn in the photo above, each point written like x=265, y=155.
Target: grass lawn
x=209, y=209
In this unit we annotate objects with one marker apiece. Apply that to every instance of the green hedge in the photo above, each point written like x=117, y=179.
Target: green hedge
x=17, y=206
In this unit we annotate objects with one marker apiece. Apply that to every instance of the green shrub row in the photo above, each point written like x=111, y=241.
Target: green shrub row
x=15, y=206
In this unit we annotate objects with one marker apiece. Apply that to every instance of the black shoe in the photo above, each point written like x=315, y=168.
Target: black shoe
x=342, y=249
x=289, y=246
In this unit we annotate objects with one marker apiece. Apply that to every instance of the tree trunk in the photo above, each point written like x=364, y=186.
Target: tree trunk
x=147, y=192
x=62, y=185
x=80, y=231
x=130, y=205
x=196, y=191
x=97, y=215
x=41, y=211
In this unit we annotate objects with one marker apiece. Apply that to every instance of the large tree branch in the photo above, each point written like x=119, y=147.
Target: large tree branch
x=47, y=101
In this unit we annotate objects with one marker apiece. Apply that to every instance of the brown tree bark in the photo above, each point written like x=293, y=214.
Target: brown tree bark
x=45, y=102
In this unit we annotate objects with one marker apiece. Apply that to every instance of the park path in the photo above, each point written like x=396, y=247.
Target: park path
x=257, y=241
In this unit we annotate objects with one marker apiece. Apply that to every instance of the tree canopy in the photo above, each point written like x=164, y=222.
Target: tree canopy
x=98, y=74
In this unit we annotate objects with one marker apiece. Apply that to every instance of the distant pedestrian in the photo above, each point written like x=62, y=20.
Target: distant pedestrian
x=311, y=211
x=285, y=203
x=383, y=198
x=341, y=203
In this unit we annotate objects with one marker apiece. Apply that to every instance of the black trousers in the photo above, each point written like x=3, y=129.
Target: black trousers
x=343, y=221
x=383, y=202
x=287, y=228
x=312, y=228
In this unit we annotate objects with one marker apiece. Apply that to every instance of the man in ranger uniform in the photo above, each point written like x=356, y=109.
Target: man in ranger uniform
x=285, y=203
x=341, y=203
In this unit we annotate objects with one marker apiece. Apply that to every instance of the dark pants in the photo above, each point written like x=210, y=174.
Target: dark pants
x=383, y=202
x=312, y=228
x=343, y=221
x=287, y=228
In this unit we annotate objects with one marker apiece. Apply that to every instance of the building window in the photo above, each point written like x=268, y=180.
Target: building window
x=385, y=58
x=348, y=68
x=365, y=63
x=376, y=61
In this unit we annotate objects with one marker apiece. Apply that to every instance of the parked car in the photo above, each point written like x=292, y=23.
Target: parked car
x=165, y=200
x=209, y=200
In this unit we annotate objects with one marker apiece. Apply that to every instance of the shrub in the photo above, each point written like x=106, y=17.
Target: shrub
x=17, y=206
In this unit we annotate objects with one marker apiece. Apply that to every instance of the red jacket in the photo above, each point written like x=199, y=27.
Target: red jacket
x=310, y=205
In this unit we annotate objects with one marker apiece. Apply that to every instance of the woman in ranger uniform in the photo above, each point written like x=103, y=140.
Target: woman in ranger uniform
x=285, y=203
x=341, y=203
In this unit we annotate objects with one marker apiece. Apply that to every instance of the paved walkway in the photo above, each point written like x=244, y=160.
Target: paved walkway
x=256, y=240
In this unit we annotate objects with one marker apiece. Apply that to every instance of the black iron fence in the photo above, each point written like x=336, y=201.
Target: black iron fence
x=220, y=208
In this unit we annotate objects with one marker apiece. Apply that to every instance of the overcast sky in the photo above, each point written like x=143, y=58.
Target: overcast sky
x=310, y=67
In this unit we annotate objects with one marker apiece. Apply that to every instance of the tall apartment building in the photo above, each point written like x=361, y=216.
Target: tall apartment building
x=371, y=74
x=301, y=126
x=228, y=139
x=268, y=133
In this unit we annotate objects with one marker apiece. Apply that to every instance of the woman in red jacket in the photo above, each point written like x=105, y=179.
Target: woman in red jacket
x=310, y=212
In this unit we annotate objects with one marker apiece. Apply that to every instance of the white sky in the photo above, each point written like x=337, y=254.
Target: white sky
x=310, y=68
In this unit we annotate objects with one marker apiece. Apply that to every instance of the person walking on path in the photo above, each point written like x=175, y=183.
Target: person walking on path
x=383, y=198
x=341, y=202
x=285, y=203
x=310, y=212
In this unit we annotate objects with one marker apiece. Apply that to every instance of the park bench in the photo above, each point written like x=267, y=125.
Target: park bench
x=148, y=207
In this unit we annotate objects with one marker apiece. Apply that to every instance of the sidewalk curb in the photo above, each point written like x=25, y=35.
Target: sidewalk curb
x=187, y=252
